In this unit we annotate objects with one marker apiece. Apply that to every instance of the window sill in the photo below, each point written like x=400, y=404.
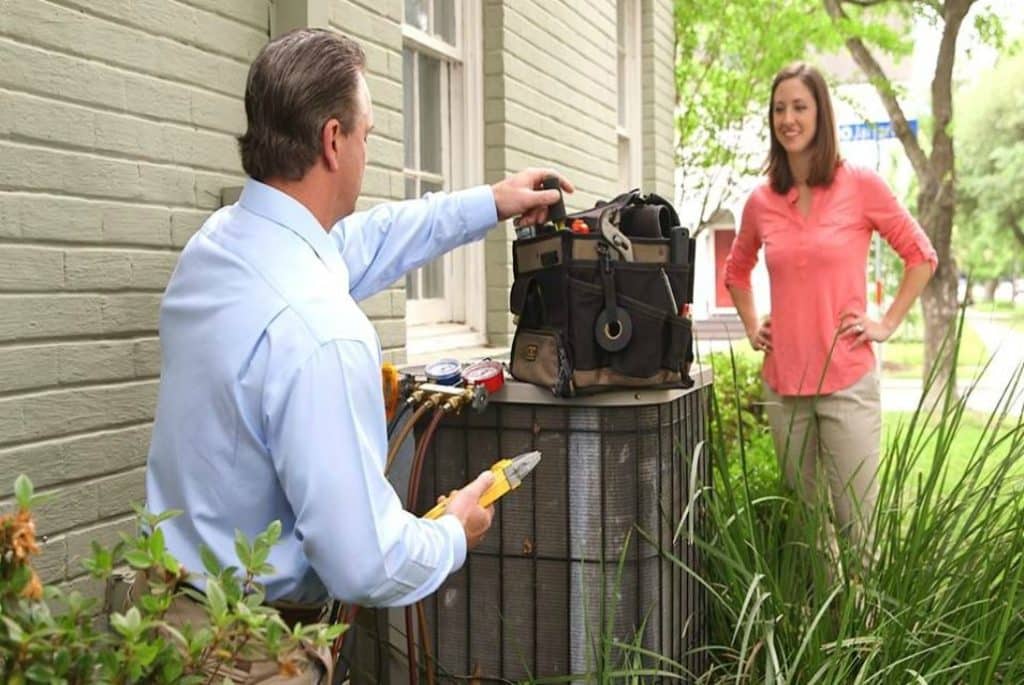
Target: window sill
x=433, y=341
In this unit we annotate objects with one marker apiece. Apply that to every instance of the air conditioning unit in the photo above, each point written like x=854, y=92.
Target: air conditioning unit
x=578, y=555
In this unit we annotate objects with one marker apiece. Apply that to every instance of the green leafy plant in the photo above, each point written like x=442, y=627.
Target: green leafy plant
x=932, y=595
x=742, y=436
x=49, y=636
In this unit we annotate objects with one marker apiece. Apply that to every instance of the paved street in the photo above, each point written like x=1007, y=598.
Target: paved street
x=1004, y=344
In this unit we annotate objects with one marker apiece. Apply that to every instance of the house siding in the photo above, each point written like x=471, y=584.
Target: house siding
x=659, y=97
x=117, y=139
x=548, y=102
x=117, y=125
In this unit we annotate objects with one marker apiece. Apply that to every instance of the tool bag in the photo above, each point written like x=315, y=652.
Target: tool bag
x=599, y=299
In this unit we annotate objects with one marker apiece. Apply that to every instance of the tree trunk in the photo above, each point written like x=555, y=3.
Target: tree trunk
x=990, y=289
x=939, y=301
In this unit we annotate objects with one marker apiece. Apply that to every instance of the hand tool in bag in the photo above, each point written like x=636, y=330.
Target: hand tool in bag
x=508, y=475
x=556, y=212
x=614, y=328
x=609, y=225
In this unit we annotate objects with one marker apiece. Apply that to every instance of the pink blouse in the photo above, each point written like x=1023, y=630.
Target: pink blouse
x=817, y=267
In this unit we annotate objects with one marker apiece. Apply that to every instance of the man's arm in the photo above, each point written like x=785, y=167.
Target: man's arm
x=380, y=245
x=326, y=434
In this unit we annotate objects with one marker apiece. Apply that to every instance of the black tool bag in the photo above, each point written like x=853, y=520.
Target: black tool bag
x=598, y=302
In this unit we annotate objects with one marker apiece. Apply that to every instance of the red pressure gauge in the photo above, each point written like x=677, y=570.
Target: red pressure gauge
x=489, y=374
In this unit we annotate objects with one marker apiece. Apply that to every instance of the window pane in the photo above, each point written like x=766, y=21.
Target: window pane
x=444, y=20
x=416, y=14
x=409, y=106
x=430, y=114
x=433, y=273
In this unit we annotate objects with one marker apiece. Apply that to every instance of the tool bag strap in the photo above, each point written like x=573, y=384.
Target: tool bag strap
x=642, y=216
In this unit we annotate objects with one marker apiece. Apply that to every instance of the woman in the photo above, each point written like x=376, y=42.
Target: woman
x=814, y=216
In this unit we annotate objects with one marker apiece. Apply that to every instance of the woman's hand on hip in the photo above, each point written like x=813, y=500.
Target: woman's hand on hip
x=860, y=328
x=761, y=339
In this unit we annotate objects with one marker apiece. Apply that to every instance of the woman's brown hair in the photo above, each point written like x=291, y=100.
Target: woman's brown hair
x=824, y=148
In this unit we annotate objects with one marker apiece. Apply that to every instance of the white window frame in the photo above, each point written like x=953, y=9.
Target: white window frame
x=628, y=125
x=460, y=318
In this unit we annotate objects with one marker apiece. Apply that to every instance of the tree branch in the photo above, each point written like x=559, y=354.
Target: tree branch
x=953, y=14
x=1014, y=224
x=873, y=70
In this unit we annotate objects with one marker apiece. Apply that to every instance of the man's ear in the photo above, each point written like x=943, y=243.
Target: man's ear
x=330, y=141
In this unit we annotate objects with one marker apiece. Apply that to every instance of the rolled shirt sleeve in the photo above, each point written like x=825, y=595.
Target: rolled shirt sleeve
x=894, y=223
x=743, y=254
x=380, y=245
x=325, y=427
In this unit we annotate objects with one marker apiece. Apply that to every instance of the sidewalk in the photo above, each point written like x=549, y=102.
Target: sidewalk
x=1006, y=347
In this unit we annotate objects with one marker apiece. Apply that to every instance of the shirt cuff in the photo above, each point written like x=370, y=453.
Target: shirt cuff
x=458, y=535
x=479, y=212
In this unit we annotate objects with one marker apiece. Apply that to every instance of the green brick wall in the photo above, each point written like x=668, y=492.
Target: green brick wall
x=117, y=137
x=117, y=125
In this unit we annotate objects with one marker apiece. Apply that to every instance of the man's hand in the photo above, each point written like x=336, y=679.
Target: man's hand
x=519, y=195
x=464, y=504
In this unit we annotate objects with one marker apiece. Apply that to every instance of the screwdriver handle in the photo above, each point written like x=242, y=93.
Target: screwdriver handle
x=556, y=212
x=496, y=491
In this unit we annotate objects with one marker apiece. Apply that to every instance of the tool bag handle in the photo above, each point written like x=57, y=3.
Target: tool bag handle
x=642, y=216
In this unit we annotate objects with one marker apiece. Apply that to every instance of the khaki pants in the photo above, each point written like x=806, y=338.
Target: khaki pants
x=312, y=666
x=828, y=446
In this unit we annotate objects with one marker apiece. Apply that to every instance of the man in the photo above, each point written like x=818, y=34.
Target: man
x=270, y=402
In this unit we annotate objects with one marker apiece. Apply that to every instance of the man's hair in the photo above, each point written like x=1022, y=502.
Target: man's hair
x=824, y=147
x=297, y=82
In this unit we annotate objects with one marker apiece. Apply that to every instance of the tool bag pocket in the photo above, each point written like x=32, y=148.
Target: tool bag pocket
x=588, y=319
x=540, y=357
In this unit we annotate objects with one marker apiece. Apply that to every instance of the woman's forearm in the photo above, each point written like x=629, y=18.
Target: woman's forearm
x=743, y=300
x=911, y=287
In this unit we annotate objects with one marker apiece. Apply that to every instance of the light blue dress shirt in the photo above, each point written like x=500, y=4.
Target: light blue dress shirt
x=270, y=403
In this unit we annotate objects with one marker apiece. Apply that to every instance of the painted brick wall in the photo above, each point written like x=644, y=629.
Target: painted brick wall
x=117, y=135
x=549, y=101
x=117, y=125
x=377, y=25
x=551, y=97
x=659, y=96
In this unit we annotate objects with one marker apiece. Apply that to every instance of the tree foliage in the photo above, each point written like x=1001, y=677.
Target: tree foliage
x=990, y=170
x=727, y=53
x=933, y=160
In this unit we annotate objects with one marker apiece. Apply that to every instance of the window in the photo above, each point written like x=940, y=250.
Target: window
x=443, y=139
x=629, y=92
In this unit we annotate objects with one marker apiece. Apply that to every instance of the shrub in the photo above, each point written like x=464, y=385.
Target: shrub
x=47, y=636
x=936, y=598
x=741, y=433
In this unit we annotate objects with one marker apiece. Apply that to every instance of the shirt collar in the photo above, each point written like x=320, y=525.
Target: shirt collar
x=284, y=210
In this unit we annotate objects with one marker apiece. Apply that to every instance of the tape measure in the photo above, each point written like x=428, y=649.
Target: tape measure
x=444, y=372
x=489, y=374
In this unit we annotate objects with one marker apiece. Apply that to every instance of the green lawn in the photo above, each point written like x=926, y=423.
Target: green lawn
x=903, y=357
x=970, y=431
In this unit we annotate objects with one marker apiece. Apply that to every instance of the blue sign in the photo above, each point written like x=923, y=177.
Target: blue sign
x=878, y=130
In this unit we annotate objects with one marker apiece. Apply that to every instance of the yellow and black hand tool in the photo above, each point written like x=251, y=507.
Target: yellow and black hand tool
x=508, y=475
